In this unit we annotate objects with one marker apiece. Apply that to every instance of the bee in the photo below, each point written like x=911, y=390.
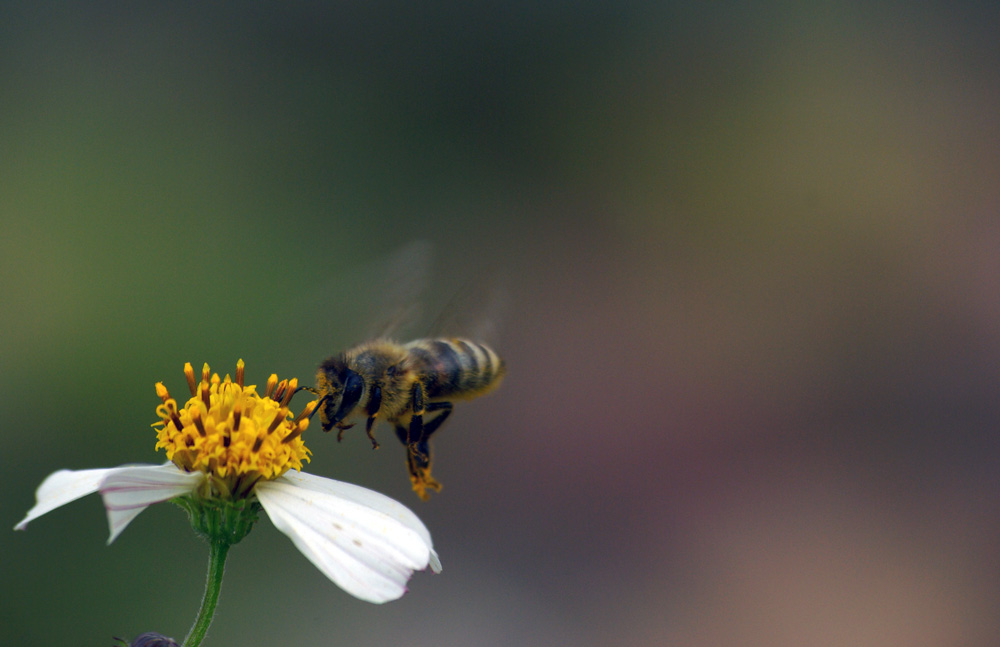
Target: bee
x=410, y=385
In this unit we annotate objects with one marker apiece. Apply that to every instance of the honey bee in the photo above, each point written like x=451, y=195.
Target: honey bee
x=402, y=383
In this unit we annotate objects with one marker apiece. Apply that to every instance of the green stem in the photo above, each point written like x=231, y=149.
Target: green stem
x=216, y=566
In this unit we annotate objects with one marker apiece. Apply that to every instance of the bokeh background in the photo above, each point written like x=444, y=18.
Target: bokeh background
x=753, y=330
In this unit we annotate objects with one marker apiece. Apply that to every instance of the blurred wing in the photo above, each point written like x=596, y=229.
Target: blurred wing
x=397, y=303
x=353, y=302
x=477, y=310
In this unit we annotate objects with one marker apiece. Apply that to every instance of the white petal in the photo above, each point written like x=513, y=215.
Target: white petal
x=365, y=542
x=370, y=499
x=127, y=491
x=61, y=488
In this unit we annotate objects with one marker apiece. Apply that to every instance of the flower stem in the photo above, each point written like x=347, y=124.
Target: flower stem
x=216, y=565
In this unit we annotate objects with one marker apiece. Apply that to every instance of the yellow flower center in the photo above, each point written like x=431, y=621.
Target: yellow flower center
x=230, y=432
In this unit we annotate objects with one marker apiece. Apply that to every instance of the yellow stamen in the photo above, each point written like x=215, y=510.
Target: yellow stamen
x=174, y=416
x=292, y=385
x=189, y=374
x=302, y=426
x=196, y=417
x=271, y=383
x=308, y=411
x=278, y=417
x=226, y=429
x=282, y=385
x=205, y=372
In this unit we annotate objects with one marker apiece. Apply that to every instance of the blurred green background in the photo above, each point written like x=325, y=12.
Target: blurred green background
x=753, y=341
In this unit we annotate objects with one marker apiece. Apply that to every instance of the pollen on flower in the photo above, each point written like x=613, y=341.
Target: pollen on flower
x=228, y=431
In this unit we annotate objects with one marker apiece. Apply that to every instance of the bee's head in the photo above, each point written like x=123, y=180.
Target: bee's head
x=341, y=389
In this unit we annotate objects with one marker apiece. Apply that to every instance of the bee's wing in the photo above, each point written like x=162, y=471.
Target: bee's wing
x=356, y=301
x=398, y=302
x=477, y=309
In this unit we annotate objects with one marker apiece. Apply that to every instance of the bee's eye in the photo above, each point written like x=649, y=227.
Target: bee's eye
x=354, y=388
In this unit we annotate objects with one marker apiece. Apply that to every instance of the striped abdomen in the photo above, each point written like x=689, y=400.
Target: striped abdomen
x=455, y=368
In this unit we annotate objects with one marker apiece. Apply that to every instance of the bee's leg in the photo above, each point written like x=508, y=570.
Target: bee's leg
x=418, y=444
x=416, y=436
x=340, y=430
x=374, y=404
x=417, y=419
x=418, y=450
x=432, y=425
x=368, y=430
x=418, y=464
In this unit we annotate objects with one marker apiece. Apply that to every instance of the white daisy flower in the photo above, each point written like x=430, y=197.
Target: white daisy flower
x=234, y=452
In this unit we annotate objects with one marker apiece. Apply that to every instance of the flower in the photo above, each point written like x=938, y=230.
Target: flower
x=234, y=452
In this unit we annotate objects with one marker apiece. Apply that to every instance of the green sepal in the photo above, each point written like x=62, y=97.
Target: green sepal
x=223, y=521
